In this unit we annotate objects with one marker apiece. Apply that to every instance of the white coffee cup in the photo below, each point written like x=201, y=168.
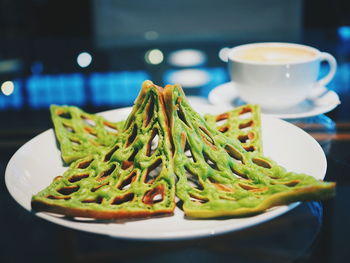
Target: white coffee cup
x=277, y=75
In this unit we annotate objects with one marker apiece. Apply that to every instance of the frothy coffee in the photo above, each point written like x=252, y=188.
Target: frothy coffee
x=274, y=54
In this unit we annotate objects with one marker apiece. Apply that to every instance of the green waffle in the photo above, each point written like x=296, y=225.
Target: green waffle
x=217, y=177
x=80, y=134
x=242, y=124
x=132, y=178
x=212, y=174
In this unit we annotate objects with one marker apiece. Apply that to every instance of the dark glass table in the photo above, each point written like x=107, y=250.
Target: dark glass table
x=312, y=232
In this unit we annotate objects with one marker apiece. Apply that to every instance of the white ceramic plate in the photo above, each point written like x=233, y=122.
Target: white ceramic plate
x=37, y=162
x=320, y=101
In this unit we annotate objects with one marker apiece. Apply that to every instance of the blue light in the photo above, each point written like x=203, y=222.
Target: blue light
x=116, y=88
x=104, y=89
x=37, y=67
x=344, y=32
x=44, y=90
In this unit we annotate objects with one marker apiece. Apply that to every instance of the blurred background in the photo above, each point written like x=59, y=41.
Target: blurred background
x=95, y=55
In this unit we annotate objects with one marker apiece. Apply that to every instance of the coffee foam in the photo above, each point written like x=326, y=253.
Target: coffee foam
x=274, y=54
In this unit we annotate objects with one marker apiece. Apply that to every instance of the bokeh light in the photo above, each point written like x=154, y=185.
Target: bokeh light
x=84, y=59
x=190, y=78
x=151, y=35
x=154, y=56
x=344, y=32
x=7, y=88
x=187, y=58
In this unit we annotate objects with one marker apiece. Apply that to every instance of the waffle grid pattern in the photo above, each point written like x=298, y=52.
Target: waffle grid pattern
x=132, y=178
x=80, y=133
x=242, y=123
x=167, y=148
x=218, y=177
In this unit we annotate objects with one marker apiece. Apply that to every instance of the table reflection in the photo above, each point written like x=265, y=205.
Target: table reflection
x=285, y=239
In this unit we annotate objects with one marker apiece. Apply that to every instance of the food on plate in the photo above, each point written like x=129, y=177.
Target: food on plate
x=242, y=123
x=132, y=178
x=164, y=149
x=217, y=177
x=79, y=133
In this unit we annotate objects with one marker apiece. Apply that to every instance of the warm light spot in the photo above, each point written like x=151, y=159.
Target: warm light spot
x=190, y=78
x=187, y=58
x=7, y=88
x=154, y=56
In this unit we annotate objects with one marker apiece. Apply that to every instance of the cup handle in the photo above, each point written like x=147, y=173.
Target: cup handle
x=332, y=68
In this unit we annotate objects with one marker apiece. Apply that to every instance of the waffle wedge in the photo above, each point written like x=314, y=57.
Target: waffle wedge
x=132, y=178
x=217, y=177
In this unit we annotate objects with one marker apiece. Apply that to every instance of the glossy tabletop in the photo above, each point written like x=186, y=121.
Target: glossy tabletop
x=312, y=232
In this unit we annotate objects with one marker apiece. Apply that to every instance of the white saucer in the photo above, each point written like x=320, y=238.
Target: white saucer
x=321, y=101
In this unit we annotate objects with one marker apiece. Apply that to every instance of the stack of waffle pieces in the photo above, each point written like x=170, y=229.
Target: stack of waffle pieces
x=165, y=155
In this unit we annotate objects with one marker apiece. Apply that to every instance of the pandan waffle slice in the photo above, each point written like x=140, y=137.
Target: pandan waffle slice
x=217, y=177
x=132, y=178
x=80, y=134
x=242, y=123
